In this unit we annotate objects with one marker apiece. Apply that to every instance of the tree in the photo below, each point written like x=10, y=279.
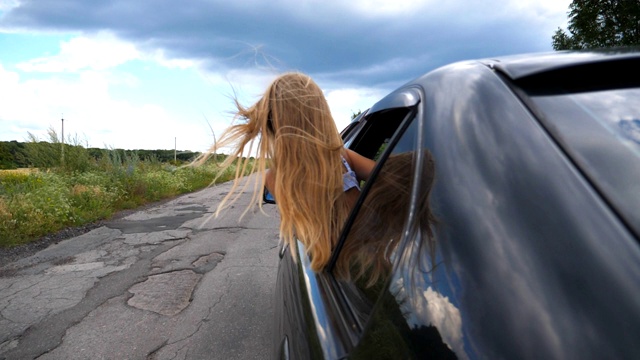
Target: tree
x=600, y=24
x=6, y=158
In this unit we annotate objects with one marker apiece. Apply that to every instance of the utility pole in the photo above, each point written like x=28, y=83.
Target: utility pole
x=62, y=144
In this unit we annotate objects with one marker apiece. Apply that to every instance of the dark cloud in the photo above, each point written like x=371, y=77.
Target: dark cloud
x=335, y=41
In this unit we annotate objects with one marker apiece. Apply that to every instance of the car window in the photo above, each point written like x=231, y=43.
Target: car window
x=377, y=130
x=600, y=130
x=389, y=254
x=365, y=258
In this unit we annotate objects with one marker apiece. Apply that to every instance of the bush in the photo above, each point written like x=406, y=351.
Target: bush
x=33, y=208
x=36, y=203
x=69, y=185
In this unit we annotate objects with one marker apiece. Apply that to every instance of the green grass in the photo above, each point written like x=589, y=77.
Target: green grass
x=37, y=203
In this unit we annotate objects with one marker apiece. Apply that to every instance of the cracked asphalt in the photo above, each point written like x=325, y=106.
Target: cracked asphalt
x=167, y=282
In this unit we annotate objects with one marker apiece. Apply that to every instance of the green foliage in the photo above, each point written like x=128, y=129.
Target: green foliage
x=33, y=204
x=13, y=155
x=70, y=185
x=76, y=157
x=43, y=154
x=600, y=24
x=54, y=154
x=38, y=202
x=48, y=154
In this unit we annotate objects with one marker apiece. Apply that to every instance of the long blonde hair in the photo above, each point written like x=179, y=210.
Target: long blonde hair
x=298, y=140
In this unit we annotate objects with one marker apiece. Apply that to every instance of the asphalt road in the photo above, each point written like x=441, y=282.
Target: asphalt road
x=168, y=282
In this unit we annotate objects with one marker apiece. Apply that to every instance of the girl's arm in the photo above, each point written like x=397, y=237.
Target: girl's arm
x=361, y=165
x=270, y=180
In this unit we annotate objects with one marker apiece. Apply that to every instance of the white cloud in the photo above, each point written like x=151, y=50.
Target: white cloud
x=99, y=52
x=78, y=83
x=91, y=114
x=7, y=78
x=248, y=86
x=446, y=318
x=547, y=7
x=7, y=4
x=431, y=309
x=389, y=7
x=347, y=101
x=552, y=12
x=160, y=57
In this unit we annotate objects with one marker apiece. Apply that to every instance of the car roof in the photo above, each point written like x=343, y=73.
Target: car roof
x=539, y=68
x=521, y=66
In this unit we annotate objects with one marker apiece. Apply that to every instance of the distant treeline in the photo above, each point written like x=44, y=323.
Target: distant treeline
x=42, y=154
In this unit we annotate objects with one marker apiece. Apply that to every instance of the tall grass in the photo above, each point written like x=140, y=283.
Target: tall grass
x=83, y=190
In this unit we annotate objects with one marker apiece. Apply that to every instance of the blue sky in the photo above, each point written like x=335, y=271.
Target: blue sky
x=145, y=74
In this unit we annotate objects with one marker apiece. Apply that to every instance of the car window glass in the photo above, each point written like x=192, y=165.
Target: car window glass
x=396, y=288
x=364, y=262
x=601, y=131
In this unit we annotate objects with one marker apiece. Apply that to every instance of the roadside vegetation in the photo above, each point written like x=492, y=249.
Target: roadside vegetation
x=67, y=186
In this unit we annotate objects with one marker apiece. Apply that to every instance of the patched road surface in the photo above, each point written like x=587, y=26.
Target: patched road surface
x=168, y=282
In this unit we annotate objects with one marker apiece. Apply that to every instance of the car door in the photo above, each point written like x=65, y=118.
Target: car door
x=323, y=315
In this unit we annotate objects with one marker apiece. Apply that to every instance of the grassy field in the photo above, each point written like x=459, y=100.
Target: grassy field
x=17, y=171
x=34, y=203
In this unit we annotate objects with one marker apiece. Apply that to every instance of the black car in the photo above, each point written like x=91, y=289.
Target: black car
x=502, y=220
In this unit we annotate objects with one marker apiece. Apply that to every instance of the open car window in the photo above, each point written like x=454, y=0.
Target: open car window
x=376, y=131
x=363, y=259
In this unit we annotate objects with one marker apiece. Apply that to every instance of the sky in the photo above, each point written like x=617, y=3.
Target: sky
x=163, y=74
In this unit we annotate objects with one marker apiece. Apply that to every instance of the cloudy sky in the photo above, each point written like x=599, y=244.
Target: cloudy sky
x=147, y=74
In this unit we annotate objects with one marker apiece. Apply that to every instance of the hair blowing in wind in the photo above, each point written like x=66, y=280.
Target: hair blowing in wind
x=294, y=136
